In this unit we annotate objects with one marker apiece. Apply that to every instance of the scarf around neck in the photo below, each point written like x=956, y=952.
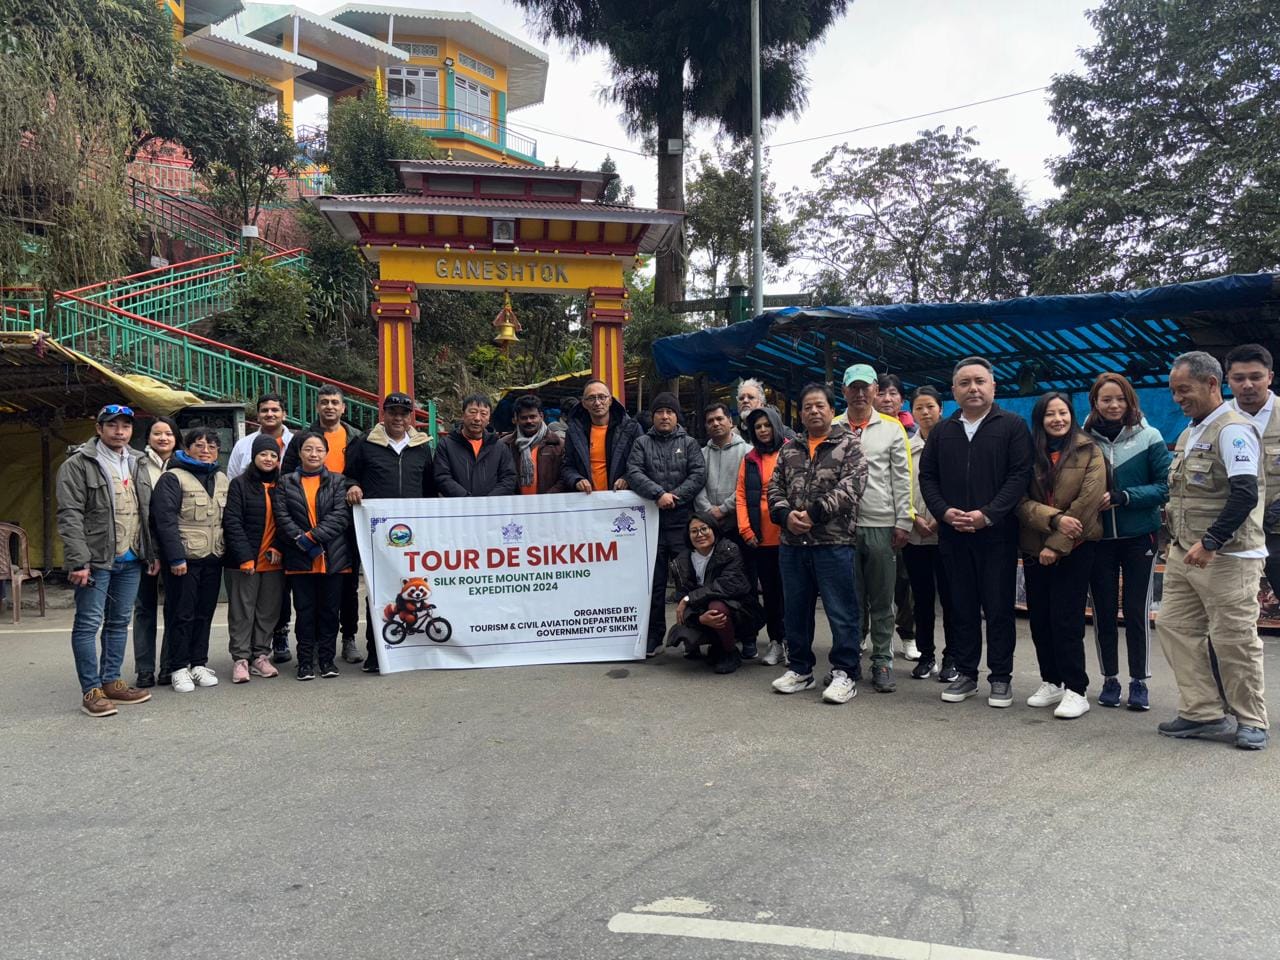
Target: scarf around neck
x=524, y=447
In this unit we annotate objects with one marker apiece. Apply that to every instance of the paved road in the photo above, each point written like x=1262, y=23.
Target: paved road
x=517, y=812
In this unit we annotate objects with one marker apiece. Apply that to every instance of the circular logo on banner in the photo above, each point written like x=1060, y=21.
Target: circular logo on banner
x=400, y=535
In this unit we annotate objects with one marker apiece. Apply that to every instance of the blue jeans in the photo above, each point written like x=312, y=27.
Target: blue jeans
x=106, y=604
x=826, y=571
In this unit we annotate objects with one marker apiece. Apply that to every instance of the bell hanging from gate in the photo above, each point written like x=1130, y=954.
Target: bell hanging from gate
x=506, y=324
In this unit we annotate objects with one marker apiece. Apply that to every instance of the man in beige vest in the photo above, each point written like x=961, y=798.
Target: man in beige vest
x=103, y=503
x=1216, y=552
x=1249, y=374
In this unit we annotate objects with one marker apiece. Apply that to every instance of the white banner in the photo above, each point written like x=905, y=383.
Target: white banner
x=505, y=581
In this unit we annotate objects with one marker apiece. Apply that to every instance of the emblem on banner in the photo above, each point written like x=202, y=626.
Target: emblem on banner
x=512, y=533
x=400, y=535
x=624, y=523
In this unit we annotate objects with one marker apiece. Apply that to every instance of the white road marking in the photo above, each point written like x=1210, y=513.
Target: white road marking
x=685, y=905
x=835, y=941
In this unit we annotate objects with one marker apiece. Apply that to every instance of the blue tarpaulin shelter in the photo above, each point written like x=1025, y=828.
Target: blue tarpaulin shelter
x=1035, y=344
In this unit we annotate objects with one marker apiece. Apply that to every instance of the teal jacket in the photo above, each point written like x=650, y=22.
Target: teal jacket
x=1137, y=478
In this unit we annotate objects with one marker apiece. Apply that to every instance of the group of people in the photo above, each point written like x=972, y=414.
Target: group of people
x=886, y=513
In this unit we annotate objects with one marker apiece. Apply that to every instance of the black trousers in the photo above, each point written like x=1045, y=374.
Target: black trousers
x=1056, y=597
x=145, y=609
x=282, y=625
x=1123, y=568
x=670, y=545
x=764, y=562
x=929, y=584
x=1271, y=569
x=189, y=603
x=349, y=608
x=984, y=570
x=316, y=600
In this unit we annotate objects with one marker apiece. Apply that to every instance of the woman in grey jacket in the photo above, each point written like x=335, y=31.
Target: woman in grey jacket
x=1137, y=487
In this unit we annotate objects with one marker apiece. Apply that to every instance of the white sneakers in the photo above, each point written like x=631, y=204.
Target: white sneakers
x=774, y=655
x=185, y=680
x=1073, y=705
x=909, y=650
x=1046, y=696
x=792, y=682
x=204, y=677
x=842, y=689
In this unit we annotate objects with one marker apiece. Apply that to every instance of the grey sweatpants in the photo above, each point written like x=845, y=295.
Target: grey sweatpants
x=253, y=607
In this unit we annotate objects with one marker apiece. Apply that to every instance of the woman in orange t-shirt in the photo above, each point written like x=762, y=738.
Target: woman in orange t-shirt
x=758, y=531
x=312, y=518
x=254, y=575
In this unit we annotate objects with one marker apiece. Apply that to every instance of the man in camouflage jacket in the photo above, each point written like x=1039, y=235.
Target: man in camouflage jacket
x=813, y=496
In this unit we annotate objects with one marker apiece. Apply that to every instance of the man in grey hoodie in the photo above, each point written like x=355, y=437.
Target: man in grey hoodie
x=104, y=499
x=723, y=454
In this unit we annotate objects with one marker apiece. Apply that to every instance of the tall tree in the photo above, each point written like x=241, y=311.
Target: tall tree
x=918, y=221
x=678, y=59
x=720, y=218
x=615, y=191
x=1174, y=167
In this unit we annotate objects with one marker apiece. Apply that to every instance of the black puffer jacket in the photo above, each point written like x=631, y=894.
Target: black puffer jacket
x=166, y=504
x=374, y=466
x=245, y=518
x=725, y=580
x=622, y=435
x=460, y=473
x=289, y=506
x=667, y=463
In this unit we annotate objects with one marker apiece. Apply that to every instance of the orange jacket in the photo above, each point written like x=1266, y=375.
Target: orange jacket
x=753, y=520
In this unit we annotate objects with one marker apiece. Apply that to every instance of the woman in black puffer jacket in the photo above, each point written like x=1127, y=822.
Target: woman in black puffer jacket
x=717, y=601
x=312, y=518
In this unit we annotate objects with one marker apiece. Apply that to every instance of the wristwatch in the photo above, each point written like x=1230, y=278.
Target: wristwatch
x=1210, y=544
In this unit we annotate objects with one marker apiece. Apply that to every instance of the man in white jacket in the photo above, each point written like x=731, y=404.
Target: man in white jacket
x=884, y=514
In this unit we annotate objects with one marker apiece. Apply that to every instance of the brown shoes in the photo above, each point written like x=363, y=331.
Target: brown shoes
x=96, y=704
x=117, y=691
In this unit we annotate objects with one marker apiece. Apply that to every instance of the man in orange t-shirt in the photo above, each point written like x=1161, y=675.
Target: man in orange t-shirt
x=598, y=441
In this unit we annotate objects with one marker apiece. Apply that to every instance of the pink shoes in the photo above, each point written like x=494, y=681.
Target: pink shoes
x=262, y=667
x=240, y=671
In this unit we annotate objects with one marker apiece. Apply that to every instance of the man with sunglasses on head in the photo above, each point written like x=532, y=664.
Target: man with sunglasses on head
x=598, y=442
x=104, y=499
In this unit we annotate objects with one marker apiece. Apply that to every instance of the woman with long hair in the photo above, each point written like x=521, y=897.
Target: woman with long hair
x=186, y=513
x=1059, y=520
x=312, y=517
x=925, y=569
x=162, y=440
x=1137, y=487
x=759, y=533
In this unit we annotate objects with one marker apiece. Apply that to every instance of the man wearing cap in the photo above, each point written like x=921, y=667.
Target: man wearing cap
x=104, y=497
x=666, y=466
x=331, y=406
x=391, y=461
x=884, y=513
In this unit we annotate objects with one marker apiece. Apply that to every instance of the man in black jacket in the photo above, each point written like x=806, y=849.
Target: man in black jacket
x=392, y=461
x=339, y=435
x=472, y=460
x=598, y=441
x=975, y=468
x=666, y=466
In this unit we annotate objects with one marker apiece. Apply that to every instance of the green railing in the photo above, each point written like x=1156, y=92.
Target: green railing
x=22, y=309
x=179, y=218
x=134, y=344
x=179, y=179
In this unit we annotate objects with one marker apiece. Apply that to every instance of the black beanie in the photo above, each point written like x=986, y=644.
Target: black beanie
x=262, y=442
x=664, y=401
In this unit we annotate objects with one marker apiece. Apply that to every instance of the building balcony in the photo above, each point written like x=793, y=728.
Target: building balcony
x=470, y=129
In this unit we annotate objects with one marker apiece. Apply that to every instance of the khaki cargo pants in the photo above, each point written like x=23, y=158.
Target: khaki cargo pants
x=1218, y=603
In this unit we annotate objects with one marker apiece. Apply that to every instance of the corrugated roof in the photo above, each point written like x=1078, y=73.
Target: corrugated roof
x=439, y=204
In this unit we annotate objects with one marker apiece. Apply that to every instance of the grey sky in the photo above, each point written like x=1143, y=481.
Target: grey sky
x=884, y=60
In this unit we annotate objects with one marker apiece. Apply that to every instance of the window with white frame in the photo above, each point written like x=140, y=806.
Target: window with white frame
x=474, y=105
x=413, y=93
x=428, y=51
x=471, y=63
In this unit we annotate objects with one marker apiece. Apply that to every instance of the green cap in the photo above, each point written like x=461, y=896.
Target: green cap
x=859, y=373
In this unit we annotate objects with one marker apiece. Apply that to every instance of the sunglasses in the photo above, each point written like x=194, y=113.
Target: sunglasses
x=115, y=410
